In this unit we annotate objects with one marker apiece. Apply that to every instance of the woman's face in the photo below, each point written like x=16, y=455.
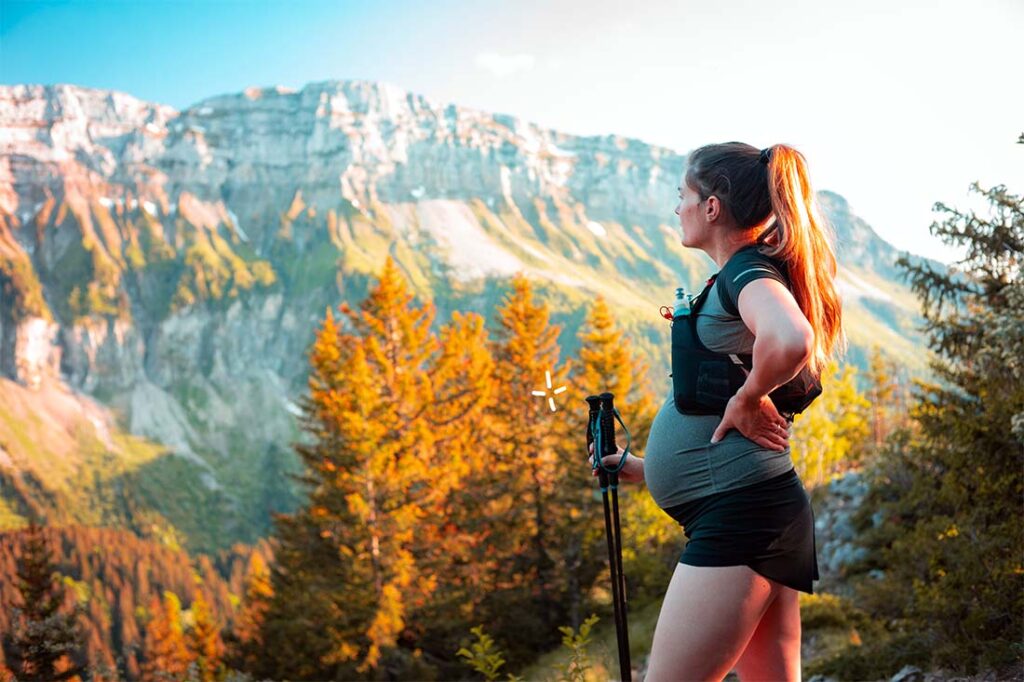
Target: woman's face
x=692, y=218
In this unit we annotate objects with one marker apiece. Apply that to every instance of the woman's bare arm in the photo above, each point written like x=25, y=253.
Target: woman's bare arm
x=783, y=338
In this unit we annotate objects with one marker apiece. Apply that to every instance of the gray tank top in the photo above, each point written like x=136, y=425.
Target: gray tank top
x=680, y=462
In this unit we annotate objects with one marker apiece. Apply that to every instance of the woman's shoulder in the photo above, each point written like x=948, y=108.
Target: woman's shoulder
x=753, y=255
x=743, y=267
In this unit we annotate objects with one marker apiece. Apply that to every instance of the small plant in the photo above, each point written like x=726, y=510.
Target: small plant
x=579, y=663
x=486, y=659
x=483, y=657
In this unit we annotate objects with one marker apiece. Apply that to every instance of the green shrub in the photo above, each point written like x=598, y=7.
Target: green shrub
x=483, y=656
x=822, y=611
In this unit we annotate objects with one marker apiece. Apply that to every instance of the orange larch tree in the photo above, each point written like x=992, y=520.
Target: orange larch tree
x=206, y=649
x=351, y=553
x=165, y=656
x=527, y=449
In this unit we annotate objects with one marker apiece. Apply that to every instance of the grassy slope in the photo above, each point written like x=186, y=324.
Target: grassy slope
x=67, y=460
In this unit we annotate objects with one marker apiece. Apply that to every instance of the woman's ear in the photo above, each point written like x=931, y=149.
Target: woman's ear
x=712, y=208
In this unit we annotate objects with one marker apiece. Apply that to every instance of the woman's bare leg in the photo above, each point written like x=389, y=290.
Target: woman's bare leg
x=773, y=653
x=708, y=616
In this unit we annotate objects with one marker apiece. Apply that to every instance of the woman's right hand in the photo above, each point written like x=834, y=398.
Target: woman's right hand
x=631, y=472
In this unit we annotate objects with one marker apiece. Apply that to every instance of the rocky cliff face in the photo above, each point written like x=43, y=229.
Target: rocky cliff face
x=173, y=265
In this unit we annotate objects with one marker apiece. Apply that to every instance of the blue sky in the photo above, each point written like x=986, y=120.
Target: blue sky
x=896, y=105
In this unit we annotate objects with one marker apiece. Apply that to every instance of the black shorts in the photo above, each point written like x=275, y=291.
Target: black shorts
x=768, y=526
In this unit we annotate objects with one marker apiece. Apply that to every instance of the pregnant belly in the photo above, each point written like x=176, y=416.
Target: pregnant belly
x=675, y=459
x=681, y=463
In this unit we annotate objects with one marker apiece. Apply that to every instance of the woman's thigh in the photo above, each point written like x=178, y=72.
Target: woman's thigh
x=773, y=652
x=708, y=616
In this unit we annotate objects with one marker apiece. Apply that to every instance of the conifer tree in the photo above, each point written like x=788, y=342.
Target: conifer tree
x=306, y=576
x=531, y=472
x=205, y=647
x=372, y=475
x=826, y=434
x=399, y=484
x=247, y=637
x=887, y=396
x=951, y=535
x=456, y=549
x=165, y=655
x=608, y=363
x=464, y=389
x=44, y=644
x=881, y=393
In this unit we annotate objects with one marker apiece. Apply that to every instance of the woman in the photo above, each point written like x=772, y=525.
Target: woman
x=729, y=479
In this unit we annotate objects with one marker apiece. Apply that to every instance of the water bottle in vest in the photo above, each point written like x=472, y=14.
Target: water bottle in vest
x=682, y=306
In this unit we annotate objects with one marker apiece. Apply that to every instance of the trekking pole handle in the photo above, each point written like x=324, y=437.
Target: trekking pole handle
x=607, y=435
x=607, y=413
x=594, y=438
x=601, y=433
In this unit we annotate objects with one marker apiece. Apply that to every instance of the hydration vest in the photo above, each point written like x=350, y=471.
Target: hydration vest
x=703, y=381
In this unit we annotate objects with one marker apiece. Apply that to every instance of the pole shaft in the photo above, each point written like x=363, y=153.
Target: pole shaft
x=617, y=575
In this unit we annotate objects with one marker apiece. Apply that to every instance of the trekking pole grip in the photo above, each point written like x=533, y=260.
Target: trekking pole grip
x=607, y=433
x=594, y=436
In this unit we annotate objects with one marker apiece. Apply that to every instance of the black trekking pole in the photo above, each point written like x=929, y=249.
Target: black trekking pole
x=601, y=432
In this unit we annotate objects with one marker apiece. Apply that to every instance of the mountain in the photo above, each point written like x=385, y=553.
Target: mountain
x=162, y=273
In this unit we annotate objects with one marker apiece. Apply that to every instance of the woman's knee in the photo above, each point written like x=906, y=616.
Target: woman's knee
x=706, y=620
